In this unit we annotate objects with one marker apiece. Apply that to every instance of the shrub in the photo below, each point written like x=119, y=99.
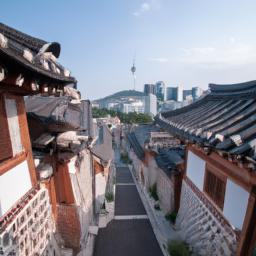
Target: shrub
x=125, y=158
x=157, y=207
x=153, y=192
x=171, y=217
x=109, y=197
x=178, y=248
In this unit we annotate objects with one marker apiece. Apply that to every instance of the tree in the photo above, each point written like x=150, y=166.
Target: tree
x=130, y=118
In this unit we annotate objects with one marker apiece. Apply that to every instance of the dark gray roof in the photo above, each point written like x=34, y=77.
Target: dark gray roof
x=168, y=159
x=18, y=44
x=139, y=136
x=59, y=114
x=223, y=120
x=103, y=147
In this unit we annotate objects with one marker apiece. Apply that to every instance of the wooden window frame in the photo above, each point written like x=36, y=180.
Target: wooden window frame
x=212, y=171
x=12, y=160
x=9, y=154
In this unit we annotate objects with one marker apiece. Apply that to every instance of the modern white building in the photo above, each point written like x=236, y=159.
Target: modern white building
x=135, y=106
x=151, y=104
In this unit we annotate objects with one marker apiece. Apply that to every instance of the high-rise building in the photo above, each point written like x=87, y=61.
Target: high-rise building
x=186, y=93
x=196, y=92
x=174, y=93
x=149, y=88
x=151, y=104
x=160, y=90
x=171, y=93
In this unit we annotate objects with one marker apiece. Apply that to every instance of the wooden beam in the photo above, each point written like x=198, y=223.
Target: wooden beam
x=7, y=165
x=240, y=176
x=247, y=240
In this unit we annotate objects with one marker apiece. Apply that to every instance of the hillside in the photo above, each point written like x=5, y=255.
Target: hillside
x=121, y=94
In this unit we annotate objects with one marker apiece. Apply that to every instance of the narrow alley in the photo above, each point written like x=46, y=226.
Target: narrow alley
x=130, y=233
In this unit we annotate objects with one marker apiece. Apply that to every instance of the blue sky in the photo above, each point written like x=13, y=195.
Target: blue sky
x=182, y=42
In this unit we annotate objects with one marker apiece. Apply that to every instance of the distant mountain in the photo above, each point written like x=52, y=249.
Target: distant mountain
x=121, y=94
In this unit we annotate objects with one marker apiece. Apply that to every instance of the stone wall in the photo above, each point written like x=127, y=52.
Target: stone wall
x=165, y=191
x=202, y=225
x=153, y=174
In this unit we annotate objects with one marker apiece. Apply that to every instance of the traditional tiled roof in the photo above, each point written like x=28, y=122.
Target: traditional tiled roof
x=32, y=54
x=224, y=120
x=60, y=114
x=138, y=149
x=169, y=159
x=103, y=148
x=139, y=136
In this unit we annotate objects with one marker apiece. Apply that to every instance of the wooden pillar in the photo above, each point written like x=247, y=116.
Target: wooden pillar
x=248, y=235
x=177, y=190
x=25, y=137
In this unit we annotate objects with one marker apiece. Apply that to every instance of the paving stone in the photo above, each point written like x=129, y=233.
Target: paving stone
x=128, y=201
x=123, y=175
x=127, y=238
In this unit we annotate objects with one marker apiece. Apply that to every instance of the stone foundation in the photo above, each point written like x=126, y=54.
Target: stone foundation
x=202, y=225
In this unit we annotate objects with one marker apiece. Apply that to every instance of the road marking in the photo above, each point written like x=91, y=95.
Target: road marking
x=125, y=184
x=130, y=217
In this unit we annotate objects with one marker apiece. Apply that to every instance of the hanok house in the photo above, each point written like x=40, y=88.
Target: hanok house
x=158, y=160
x=28, y=66
x=61, y=133
x=103, y=165
x=217, y=212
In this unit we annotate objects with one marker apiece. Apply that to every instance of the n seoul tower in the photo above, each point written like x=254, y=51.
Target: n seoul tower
x=133, y=69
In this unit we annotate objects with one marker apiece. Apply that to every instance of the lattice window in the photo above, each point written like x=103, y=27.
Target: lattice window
x=215, y=188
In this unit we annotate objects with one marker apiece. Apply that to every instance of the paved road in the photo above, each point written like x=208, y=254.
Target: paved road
x=128, y=236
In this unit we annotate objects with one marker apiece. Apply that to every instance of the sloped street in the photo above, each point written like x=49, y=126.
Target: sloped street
x=130, y=233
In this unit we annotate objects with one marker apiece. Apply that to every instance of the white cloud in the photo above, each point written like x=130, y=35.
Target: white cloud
x=146, y=7
x=232, y=54
x=160, y=60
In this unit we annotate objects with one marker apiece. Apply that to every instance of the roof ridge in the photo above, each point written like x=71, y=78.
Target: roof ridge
x=30, y=42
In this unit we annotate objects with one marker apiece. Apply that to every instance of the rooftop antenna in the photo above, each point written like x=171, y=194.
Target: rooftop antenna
x=133, y=69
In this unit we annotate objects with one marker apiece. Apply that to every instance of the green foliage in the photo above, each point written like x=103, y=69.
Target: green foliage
x=178, y=248
x=109, y=197
x=130, y=118
x=157, y=207
x=171, y=217
x=125, y=158
x=153, y=192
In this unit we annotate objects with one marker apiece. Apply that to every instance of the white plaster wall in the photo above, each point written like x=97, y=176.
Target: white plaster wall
x=152, y=171
x=196, y=170
x=81, y=179
x=13, y=124
x=100, y=188
x=235, y=204
x=13, y=185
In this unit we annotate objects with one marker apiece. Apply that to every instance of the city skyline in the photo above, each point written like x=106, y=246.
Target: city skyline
x=181, y=42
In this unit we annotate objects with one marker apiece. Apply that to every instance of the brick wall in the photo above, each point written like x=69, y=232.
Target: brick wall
x=202, y=226
x=68, y=225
